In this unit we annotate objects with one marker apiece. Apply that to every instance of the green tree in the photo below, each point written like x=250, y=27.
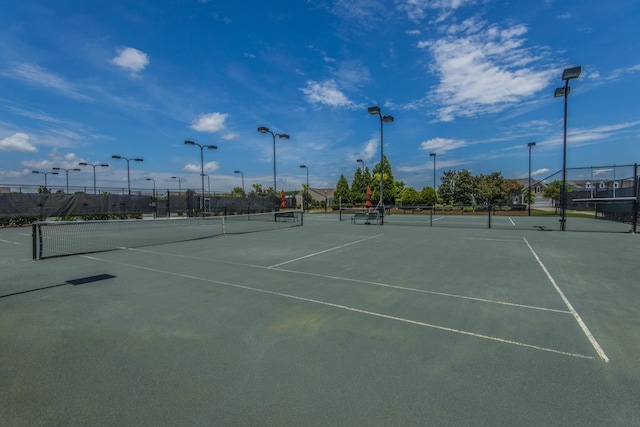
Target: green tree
x=428, y=196
x=342, y=190
x=554, y=192
x=358, y=187
x=408, y=197
x=390, y=187
x=465, y=187
x=447, y=187
x=490, y=188
x=237, y=192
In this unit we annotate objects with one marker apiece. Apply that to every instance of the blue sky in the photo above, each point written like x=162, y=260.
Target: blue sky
x=471, y=80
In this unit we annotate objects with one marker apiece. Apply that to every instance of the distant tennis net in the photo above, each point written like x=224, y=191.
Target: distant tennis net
x=60, y=238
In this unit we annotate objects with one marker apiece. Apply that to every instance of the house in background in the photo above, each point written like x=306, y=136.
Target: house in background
x=318, y=195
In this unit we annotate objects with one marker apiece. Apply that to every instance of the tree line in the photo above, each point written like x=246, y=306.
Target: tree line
x=455, y=188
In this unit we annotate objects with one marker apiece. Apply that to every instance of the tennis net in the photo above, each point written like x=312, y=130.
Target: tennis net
x=61, y=238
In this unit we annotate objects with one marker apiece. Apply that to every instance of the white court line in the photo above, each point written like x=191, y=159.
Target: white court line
x=364, y=282
x=575, y=314
x=347, y=308
x=512, y=223
x=325, y=251
x=493, y=240
x=9, y=241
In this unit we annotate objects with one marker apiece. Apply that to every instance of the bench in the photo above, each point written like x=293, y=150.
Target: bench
x=284, y=216
x=367, y=217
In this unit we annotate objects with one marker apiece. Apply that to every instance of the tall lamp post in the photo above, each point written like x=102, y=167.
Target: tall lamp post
x=202, y=147
x=305, y=202
x=45, y=176
x=67, y=173
x=434, y=155
x=94, y=172
x=208, y=184
x=263, y=129
x=383, y=119
x=128, y=175
x=567, y=74
x=530, y=145
x=241, y=173
x=179, y=183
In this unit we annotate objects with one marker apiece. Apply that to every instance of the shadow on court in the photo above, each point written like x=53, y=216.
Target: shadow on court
x=329, y=323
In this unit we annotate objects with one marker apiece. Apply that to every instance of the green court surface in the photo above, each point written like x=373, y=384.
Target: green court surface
x=326, y=324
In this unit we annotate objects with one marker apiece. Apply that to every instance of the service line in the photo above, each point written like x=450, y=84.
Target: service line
x=325, y=251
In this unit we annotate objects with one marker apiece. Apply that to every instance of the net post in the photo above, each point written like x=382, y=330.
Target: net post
x=34, y=242
x=302, y=217
x=433, y=208
x=489, y=209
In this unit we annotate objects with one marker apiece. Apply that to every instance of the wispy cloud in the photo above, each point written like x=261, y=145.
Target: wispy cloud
x=35, y=75
x=209, y=122
x=131, y=59
x=17, y=142
x=484, y=68
x=442, y=145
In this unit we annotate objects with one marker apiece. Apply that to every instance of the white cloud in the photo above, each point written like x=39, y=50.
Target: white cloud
x=211, y=122
x=17, y=142
x=540, y=172
x=230, y=136
x=326, y=93
x=442, y=145
x=195, y=168
x=484, y=69
x=131, y=59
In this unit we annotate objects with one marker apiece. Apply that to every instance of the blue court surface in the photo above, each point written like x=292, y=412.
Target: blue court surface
x=331, y=323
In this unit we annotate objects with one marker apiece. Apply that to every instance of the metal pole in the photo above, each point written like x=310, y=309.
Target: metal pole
x=563, y=194
x=381, y=168
x=531, y=145
x=128, y=177
x=95, y=191
x=274, y=160
x=202, y=176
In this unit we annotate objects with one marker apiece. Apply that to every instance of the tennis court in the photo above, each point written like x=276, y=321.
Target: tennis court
x=328, y=323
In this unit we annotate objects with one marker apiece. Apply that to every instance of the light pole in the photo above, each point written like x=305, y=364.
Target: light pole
x=383, y=119
x=67, y=173
x=364, y=181
x=434, y=155
x=241, y=173
x=208, y=184
x=94, y=172
x=530, y=145
x=567, y=74
x=263, y=129
x=202, y=147
x=306, y=196
x=128, y=175
x=179, y=183
x=154, y=186
x=45, y=176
